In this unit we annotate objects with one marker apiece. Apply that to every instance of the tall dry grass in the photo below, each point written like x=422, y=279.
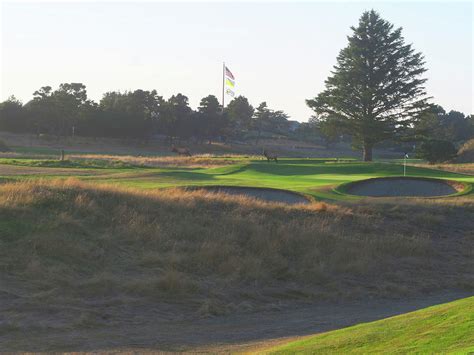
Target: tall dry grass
x=195, y=161
x=70, y=239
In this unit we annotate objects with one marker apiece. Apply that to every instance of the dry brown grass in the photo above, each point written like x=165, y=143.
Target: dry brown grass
x=76, y=257
x=195, y=161
x=103, y=240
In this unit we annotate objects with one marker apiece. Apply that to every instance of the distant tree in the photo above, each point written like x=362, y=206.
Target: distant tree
x=175, y=118
x=43, y=111
x=278, y=121
x=12, y=116
x=456, y=126
x=132, y=113
x=265, y=119
x=211, y=120
x=436, y=151
x=69, y=100
x=375, y=90
x=308, y=131
x=261, y=119
x=329, y=132
x=427, y=125
x=57, y=112
x=435, y=123
x=240, y=114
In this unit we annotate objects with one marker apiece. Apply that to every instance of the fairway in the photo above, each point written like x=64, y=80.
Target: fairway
x=317, y=178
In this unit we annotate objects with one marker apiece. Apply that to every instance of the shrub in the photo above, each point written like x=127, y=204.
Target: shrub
x=436, y=151
x=466, y=152
x=3, y=147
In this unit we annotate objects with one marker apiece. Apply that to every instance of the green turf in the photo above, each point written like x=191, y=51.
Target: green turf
x=446, y=328
x=315, y=177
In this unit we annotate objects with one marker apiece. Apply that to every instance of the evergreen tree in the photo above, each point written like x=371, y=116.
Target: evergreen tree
x=376, y=89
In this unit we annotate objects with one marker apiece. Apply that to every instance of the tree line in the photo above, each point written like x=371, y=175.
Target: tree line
x=375, y=95
x=138, y=114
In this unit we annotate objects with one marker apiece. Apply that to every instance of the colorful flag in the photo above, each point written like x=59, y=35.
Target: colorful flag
x=229, y=82
x=229, y=73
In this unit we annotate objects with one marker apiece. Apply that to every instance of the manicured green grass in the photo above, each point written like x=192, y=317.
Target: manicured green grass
x=446, y=328
x=315, y=177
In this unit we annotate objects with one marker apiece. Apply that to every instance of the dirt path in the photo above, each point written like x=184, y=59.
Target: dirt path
x=129, y=326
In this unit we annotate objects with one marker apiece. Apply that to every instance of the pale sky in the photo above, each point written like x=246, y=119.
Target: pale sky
x=279, y=52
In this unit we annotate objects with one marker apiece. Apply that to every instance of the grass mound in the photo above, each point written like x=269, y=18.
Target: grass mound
x=438, y=329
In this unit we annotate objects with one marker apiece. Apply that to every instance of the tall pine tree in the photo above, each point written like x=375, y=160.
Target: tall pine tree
x=376, y=89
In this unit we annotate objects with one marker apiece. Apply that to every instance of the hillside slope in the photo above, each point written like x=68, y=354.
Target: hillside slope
x=438, y=329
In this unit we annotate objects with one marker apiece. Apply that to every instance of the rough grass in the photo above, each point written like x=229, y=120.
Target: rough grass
x=82, y=240
x=77, y=256
x=100, y=161
x=195, y=161
x=446, y=328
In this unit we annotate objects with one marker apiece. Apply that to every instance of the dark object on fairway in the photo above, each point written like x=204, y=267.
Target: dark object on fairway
x=403, y=187
x=270, y=156
x=180, y=151
x=265, y=194
x=62, y=155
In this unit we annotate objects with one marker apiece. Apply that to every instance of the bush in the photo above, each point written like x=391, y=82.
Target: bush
x=4, y=147
x=466, y=152
x=436, y=151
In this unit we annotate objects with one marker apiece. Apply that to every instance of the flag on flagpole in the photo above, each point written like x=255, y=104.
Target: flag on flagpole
x=228, y=73
x=229, y=82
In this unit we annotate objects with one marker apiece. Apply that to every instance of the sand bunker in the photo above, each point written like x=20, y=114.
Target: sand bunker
x=403, y=187
x=270, y=195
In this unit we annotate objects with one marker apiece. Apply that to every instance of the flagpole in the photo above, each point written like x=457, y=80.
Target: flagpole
x=223, y=84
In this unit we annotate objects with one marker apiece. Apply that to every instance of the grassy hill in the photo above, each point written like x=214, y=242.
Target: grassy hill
x=446, y=328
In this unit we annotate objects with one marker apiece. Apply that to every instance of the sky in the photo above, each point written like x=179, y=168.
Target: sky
x=279, y=52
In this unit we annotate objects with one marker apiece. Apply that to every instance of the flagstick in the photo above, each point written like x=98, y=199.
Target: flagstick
x=405, y=166
x=223, y=84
